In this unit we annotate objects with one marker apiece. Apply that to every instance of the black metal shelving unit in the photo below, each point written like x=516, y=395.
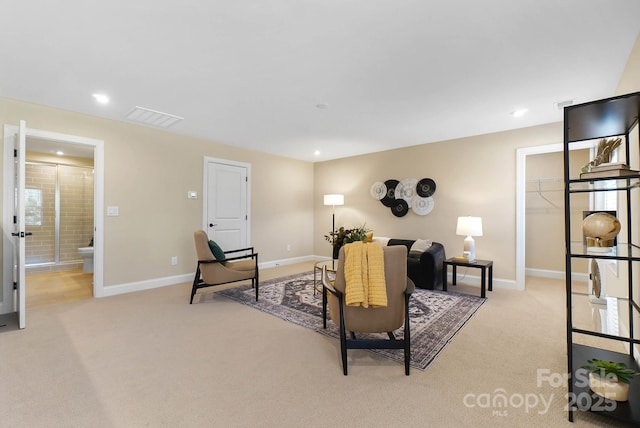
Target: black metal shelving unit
x=611, y=117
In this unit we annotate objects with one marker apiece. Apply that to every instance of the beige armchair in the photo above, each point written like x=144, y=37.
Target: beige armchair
x=211, y=272
x=373, y=319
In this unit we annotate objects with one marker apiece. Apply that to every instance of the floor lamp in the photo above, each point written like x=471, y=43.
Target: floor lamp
x=333, y=200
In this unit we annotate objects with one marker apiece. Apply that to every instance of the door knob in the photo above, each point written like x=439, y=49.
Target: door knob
x=211, y=224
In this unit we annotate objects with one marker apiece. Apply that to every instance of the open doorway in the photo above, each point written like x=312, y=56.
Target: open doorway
x=521, y=198
x=59, y=221
x=40, y=141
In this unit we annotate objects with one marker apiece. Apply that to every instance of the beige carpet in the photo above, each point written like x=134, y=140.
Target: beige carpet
x=151, y=359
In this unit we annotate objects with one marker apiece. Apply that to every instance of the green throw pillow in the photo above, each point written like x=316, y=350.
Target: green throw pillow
x=217, y=251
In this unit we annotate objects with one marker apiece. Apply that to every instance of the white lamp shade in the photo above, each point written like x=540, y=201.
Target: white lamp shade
x=469, y=226
x=334, y=199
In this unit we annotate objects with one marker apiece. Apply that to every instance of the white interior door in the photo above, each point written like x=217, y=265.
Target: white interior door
x=18, y=233
x=226, y=205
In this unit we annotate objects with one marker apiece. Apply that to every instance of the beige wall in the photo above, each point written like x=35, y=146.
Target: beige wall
x=148, y=173
x=474, y=176
x=630, y=80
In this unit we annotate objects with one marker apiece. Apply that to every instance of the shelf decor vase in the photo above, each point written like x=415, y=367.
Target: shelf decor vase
x=611, y=389
x=600, y=229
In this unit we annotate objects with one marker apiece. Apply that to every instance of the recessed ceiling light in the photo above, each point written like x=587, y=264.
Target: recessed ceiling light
x=519, y=112
x=316, y=153
x=101, y=98
x=59, y=152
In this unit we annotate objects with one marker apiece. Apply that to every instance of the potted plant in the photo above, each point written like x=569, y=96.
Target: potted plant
x=609, y=379
x=345, y=236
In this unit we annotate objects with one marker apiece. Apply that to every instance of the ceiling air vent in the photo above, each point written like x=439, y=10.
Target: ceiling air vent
x=155, y=118
x=562, y=104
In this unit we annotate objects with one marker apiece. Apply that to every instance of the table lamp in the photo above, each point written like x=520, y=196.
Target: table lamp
x=469, y=227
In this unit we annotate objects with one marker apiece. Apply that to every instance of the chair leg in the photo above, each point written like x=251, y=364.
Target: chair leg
x=407, y=337
x=196, y=279
x=256, y=288
x=407, y=358
x=343, y=340
x=256, y=279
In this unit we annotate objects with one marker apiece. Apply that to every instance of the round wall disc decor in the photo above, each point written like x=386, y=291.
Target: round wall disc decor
x=426, y=187
x=378, y=190
x=390, y=198
x=406, y=189
x=400, y=196
x=421, y=206
x=400, y=208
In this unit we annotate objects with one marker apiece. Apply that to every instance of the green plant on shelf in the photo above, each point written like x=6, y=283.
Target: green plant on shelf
x=610, y=370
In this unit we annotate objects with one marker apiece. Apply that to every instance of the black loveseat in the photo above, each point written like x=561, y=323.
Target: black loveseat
x=425, y=271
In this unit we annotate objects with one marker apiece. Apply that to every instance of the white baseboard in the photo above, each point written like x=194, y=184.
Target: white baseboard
x=291, y=261
x=556, y=274
x=130, y=287
x=475, y=280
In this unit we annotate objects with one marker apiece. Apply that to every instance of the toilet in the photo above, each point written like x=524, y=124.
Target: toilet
x=87, y=256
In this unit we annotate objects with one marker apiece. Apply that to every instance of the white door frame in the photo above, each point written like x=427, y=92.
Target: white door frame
x=98, y=253
x=205, y=190
x=521, y=182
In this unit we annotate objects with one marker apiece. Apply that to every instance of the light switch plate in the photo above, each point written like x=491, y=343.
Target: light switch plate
x=113, y=211
x=192, y=194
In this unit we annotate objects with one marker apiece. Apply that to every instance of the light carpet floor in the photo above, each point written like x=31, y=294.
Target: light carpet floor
x=149, y=359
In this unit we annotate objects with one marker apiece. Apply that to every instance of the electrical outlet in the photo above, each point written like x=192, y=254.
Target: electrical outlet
x=174, y=260
x=288, y=247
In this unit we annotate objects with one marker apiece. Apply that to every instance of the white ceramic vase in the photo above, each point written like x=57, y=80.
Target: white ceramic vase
x=608, y=388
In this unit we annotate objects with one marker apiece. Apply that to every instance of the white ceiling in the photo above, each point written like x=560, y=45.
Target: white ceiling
x=392, y=73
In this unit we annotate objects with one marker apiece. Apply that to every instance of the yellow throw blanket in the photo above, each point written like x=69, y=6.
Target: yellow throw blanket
x=364, y=275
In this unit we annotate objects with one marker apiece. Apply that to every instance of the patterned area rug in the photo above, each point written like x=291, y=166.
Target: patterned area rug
x=436, y=316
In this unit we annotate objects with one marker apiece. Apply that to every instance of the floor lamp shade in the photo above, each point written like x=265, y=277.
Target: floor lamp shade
x=334, y=199
x=469, y=227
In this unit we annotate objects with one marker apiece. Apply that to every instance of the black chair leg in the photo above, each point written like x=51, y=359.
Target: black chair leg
x=343, y=340
x=407, y=357
x=256, y=278
x=196, y=280
x=407, y=336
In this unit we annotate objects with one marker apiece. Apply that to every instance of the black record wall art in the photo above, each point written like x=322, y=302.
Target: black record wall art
x=400, y=208
x=426, y=187
x=390, y=196
x=410, y=193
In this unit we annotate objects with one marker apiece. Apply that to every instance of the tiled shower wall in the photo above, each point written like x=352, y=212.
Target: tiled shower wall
x=75, y=187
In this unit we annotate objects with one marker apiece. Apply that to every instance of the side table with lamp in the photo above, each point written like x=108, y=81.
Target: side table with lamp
x=469, y=227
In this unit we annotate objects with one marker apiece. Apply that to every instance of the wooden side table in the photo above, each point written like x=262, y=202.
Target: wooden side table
x=486, y=266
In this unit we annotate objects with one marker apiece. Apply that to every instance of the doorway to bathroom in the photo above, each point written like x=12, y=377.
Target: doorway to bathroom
x=14, y=284
x=59, y=218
